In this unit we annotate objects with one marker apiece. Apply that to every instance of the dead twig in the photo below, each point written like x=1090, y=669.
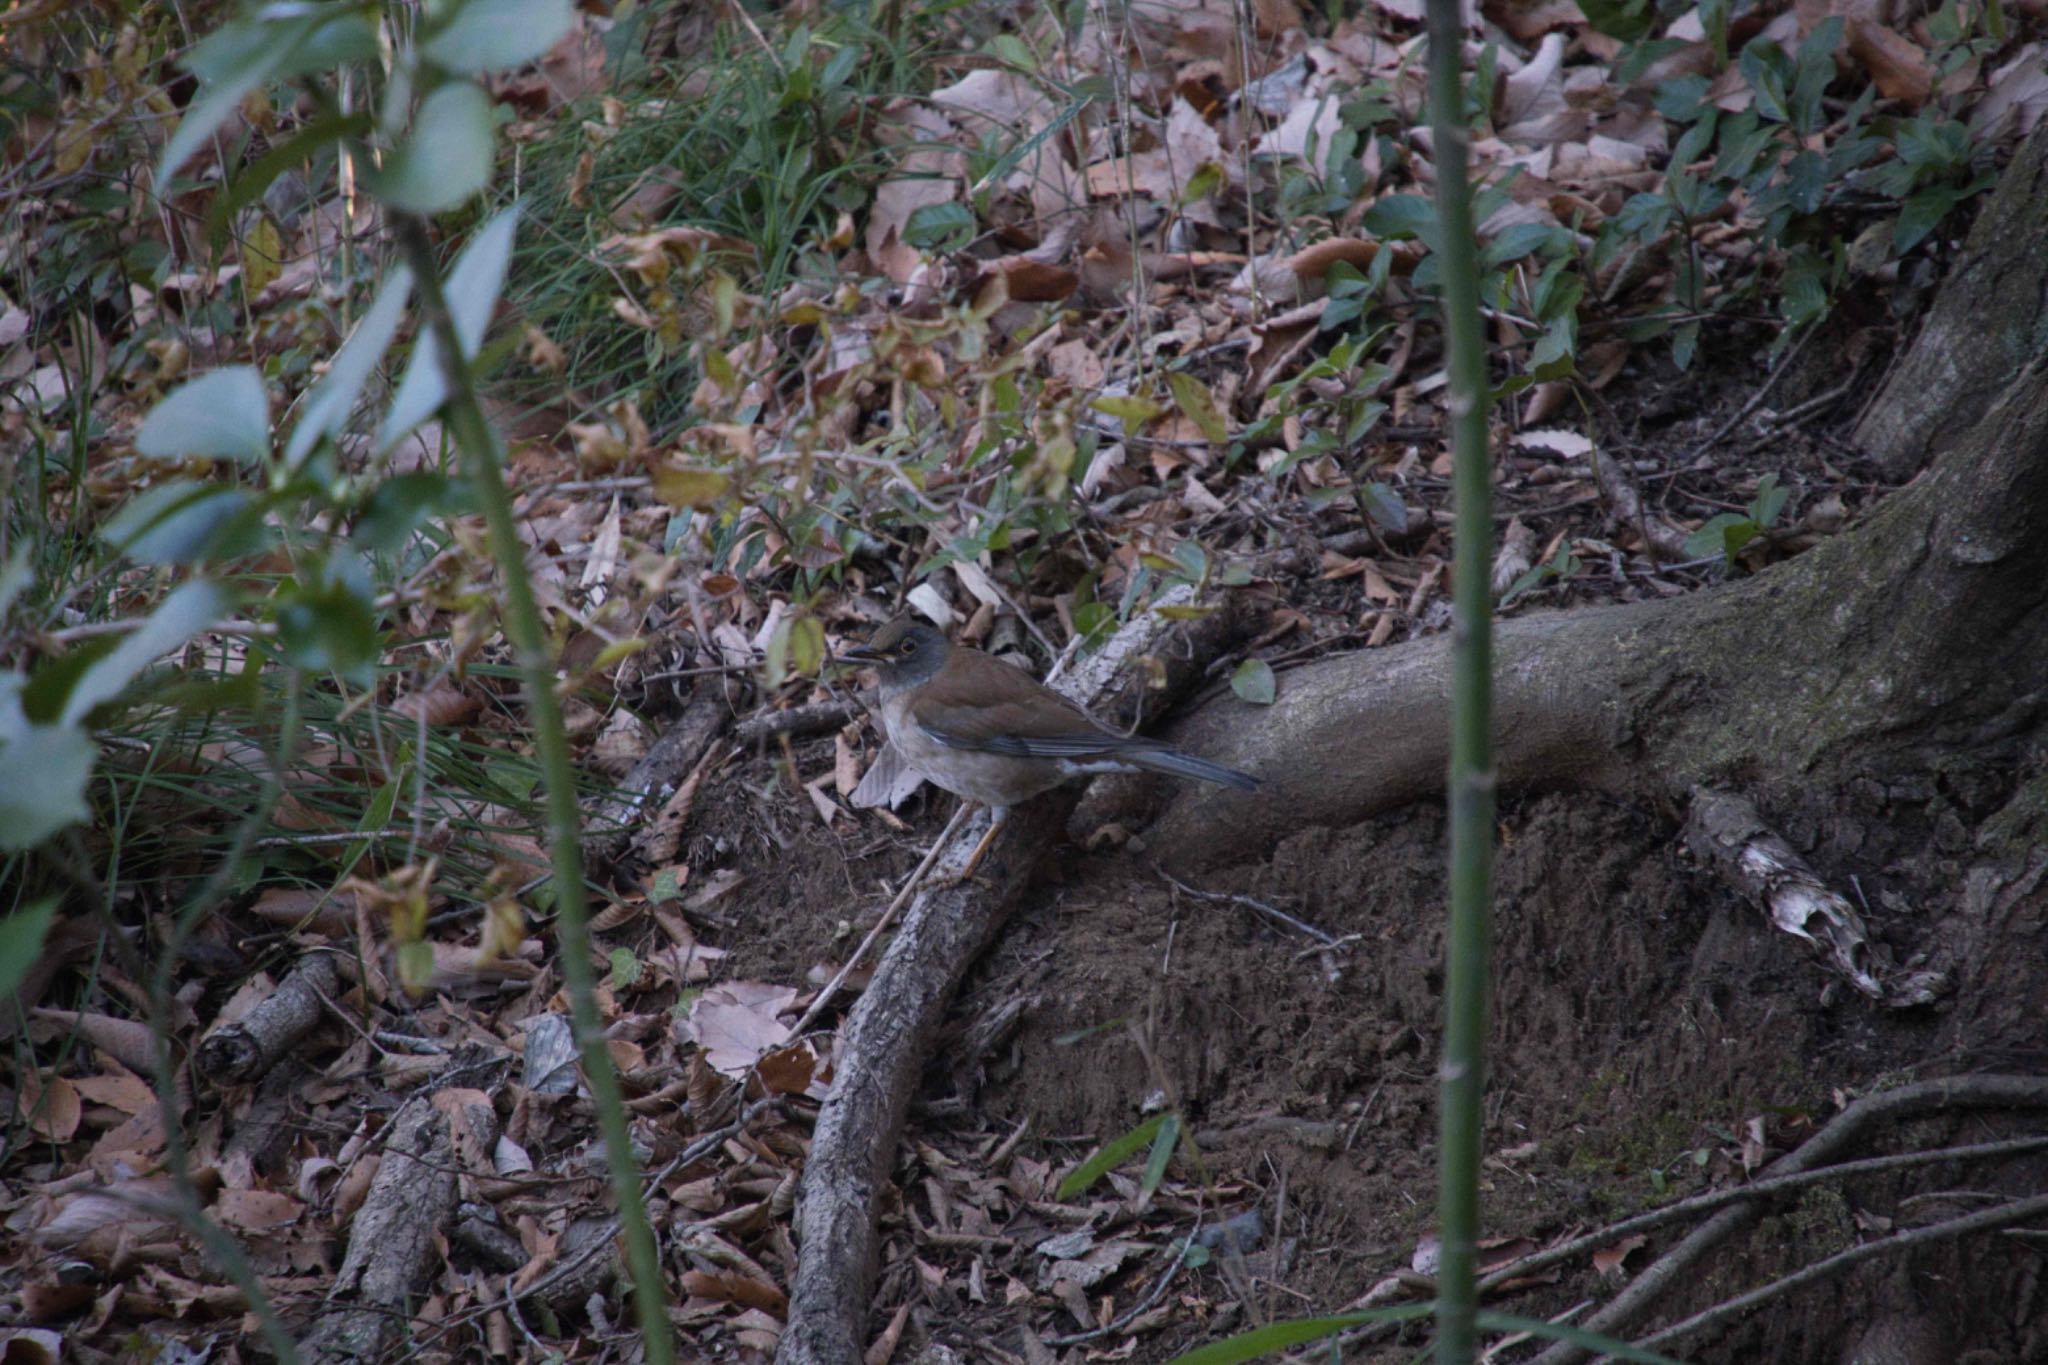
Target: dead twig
x=1846, y=1128
x=2006, y=1214
x=1761, y=1189
x=854, y=959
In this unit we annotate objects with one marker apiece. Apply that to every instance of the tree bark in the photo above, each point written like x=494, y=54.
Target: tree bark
x=1984, y=329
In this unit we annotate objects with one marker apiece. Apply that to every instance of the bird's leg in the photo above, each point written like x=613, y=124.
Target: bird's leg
x=997, y=815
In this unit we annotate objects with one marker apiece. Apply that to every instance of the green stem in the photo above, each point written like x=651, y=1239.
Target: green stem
x=1462, y=1070
x=522, y=621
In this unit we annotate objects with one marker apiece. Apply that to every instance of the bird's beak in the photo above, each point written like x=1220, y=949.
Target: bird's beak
x=860, y=654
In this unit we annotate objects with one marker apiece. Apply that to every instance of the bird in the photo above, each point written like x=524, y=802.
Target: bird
x=988, y=732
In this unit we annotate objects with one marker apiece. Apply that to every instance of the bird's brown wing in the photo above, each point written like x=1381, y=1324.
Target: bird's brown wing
x=981, y=703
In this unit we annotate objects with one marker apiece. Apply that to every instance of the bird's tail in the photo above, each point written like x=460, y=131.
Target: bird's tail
x=1165, y=760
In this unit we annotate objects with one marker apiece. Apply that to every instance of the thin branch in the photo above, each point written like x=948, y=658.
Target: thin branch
x=1762, y=1189
x=2017, y=1211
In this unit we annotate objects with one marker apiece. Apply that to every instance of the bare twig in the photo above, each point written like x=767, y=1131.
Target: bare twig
x=1272, y=912
x=1847, y=1127
x=854, y=958
x=2006, y=1214
x=1761, y=1189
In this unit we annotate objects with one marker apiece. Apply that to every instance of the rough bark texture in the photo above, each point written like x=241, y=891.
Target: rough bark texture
x=1986, y=326
x=391, y=1247
x=249, y=1047
x=621, y=813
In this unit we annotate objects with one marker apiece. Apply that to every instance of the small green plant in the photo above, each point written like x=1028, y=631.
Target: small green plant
x=1560, y=566
x=1157, y=1136
x=1727, y=533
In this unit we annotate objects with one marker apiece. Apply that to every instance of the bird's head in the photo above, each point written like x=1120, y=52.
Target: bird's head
x=905, y=652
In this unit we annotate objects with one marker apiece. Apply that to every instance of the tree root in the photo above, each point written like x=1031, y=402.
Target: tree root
x=1845, y=1129
x=1727, y=832
x=885, y=1038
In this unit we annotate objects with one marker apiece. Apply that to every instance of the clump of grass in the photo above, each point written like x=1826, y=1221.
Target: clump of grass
x=769, y=145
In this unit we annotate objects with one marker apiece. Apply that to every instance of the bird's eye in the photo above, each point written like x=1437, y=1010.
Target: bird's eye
x=907, y=648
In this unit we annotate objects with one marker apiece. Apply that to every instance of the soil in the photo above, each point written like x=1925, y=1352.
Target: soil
x=1650, y=1033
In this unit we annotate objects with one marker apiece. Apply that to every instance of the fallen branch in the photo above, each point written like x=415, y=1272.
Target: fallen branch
x=393, y=1239
x=245, y=1050
x=614, y=818
x=1661, y=540
x=1846, y=1128
x=813, y=718
x=884, y=1041
x=1738, y=1194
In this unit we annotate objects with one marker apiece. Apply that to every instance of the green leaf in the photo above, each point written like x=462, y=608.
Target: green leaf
x=184, y=523
x=1921, y=215
x=43, y=772
x=328, y=406
x=398, y=507
x=21, y=943
x=1162, y=1153
x=325, y=623
x=231, y=62
x=1401, y=215
x=1384, y=505
x=1109, y=1157
x=447, y=157
x=472, y=290
x=1769, y=503
x=222, y=415
x=492, y=35
x=1713, y=538
x=940, y=227
x=190, y=609
x=625, y=968
x=1198, y=405
x=1627, y=20
x=15, y=576
x=1273, y=1336
x=797, y=647
x=1134, y=412
x=248, y=186
x=1253, y=682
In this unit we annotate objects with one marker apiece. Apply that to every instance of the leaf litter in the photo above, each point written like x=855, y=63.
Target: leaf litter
x=1076, y=282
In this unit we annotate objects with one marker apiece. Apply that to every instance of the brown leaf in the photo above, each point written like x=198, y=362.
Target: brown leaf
x=443, y=704
x=52, y=1106
x=1894, y=61
x=1608, y=1260
x=257, y=1210
x=730, y=1286
x=736, y=1022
